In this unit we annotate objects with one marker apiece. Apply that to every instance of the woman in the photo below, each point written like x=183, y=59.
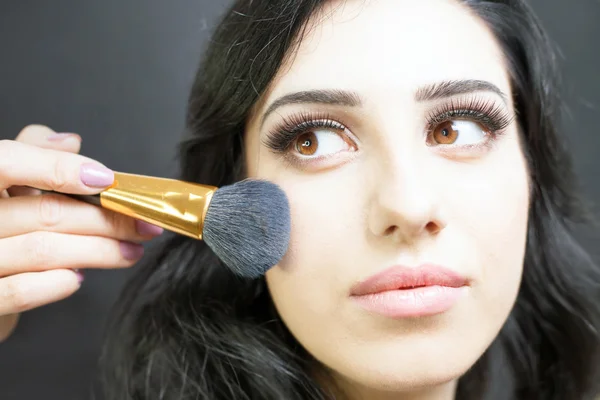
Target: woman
x=432, y=205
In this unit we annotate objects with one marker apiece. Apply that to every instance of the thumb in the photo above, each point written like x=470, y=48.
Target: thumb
x=8, y=323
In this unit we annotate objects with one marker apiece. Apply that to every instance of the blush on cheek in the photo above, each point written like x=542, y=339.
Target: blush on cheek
x=312, y=223
x=325, y=223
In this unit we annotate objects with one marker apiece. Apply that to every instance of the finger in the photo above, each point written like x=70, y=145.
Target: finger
x=8, y=323
x=26, y=291
x=38, y=251
x=17, y=191
x=56, y=213
x=25, y=165
x=44, y=137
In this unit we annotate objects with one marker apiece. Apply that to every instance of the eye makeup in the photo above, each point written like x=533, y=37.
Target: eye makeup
x=489, y=114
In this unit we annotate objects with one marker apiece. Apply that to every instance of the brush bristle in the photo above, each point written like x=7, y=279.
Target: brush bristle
x=247, y=225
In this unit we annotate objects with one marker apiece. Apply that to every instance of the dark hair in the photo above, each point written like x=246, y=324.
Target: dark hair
x=185, y=327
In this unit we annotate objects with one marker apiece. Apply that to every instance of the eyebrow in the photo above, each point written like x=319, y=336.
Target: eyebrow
x=323, y=96
x=441, y=90
x=429, y=92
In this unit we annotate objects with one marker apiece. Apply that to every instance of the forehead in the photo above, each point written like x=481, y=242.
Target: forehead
x=392, y=46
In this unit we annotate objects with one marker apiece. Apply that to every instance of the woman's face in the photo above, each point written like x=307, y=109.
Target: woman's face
x=392, y=133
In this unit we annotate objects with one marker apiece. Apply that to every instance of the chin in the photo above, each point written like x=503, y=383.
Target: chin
x=408, y=367
x=405, y=378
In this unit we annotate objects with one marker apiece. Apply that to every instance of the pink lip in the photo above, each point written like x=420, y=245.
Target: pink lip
x=402, y=292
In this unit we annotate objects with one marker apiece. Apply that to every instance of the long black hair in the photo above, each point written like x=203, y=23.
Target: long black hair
x=185, y=327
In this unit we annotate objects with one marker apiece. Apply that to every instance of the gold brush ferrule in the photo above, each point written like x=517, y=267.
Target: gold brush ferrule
x=171, y=204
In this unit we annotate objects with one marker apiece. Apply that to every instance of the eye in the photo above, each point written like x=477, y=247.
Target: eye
x=458, y=133
x=321, y=143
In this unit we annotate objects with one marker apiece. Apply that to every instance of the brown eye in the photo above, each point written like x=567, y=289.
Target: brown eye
x=307, y=144
x=459, y=133
x=320, y=143
x=445, y=133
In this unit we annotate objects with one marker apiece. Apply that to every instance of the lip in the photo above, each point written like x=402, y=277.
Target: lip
x=403, y=292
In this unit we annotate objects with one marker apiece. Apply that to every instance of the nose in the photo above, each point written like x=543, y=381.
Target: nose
x=405, y=205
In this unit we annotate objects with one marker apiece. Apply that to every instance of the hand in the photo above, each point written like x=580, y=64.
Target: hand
x=45, y=239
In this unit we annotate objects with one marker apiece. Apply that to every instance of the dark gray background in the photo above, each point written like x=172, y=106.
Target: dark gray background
x=118, y=72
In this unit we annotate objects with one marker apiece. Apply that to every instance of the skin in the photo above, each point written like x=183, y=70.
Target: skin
x=45, y=239
x=393, y=196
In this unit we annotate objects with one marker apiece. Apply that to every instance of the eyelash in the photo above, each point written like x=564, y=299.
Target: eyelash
x=492, y=116
x=283, y=136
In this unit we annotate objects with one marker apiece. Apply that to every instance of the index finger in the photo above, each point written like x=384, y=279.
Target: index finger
x=43, y=136
x=26, y=165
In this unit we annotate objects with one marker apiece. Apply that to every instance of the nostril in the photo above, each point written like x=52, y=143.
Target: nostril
x=432, y=227
x=391, y=230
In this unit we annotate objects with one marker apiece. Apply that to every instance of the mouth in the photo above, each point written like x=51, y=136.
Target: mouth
x=403, y=292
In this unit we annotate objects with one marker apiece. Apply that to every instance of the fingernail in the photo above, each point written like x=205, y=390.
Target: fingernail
x=131, y=251
x=146, y=229
x=80, y=276
x=56, y=137
x=97, y=176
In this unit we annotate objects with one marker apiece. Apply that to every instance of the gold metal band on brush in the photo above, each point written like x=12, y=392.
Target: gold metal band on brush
x=171, y=204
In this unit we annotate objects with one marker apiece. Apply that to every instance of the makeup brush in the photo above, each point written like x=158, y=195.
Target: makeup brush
x=246, y=224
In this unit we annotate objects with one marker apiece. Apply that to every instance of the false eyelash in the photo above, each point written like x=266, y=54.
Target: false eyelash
x=282, y=137
x=489, y=113
x=493, y=116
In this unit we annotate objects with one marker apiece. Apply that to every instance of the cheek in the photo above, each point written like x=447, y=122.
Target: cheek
x=305, y=285
x=491, y=211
